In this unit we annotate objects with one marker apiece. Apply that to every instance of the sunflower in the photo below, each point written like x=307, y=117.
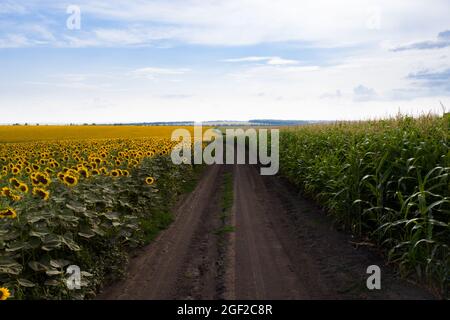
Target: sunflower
x=125, y=173
x=14, y=182
x=15, y=170
x=42, y=193
x=150, y=180
x=15, y=197
x=83, y=172
x=133, y=163
x=70, y=180
x=4, y=293
x=115, y=173
x=34, y=181
x=43, y=178
x=5, y=191
x=8, y=213
x=61, y=176
x=23, y=187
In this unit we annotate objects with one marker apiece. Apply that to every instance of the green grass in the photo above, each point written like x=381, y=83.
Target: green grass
x=161, y=219
x=226, y=203
x=151, y=227
x=191, y=183
x=224, y=230
x=385, y=180
x=227, y=195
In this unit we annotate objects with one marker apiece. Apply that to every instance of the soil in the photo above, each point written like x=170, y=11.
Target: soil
x=283, y=247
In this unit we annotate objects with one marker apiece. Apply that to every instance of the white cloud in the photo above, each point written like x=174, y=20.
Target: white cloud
x=8, y=7
x=250, y=22
x=248, y=59
x=244, y=22
x=153, y=73
x=363, y=93
x=275, y=61
x=14, y=41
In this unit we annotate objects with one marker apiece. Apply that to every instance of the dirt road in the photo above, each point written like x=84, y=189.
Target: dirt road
x=180, y=263
x=283, y=247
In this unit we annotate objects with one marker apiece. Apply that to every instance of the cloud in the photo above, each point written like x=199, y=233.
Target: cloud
x=331, y=95
x=153, y=73
x=362, y=93
x=176, y=96
x=433, y=76
x=248, y=59
x=9, y=7
x=442, y=41
x=14, y=41
x=444, y=35
x=433, y=80
x=27, y=35
x=273, y=61
x=237, y=22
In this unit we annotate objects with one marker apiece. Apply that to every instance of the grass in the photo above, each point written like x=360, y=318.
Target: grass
x=151, y=227
x=190, y=184
x=226, y=203
x=162, y=219
x=227, y=194
x=224, y=230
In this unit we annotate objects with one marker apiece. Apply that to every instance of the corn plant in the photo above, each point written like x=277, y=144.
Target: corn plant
x=387, y=181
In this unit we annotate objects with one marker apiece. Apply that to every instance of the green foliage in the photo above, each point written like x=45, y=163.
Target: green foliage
x=93, y=225
x=386, y=180
x=227, y=195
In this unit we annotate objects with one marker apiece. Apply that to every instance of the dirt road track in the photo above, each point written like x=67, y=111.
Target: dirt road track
x=284, y=247
x=170, y=267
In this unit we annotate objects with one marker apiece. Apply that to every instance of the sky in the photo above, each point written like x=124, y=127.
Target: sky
x=177, y=60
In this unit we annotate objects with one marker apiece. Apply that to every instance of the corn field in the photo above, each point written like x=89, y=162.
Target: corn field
x=385, y=181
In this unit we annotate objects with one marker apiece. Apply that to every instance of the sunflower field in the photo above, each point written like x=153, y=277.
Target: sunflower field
x=82, y=202
x=385, y=181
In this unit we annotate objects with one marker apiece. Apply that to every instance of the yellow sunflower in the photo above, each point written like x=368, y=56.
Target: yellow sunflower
x=5, y=191
x=83, y=172
x=43, y=178
x=42, y=193
x=70, y=180
x=23, y=187
x=4, y=293
x=115, y=173
x=14, y=182
x=150, y=180
x=8, y=213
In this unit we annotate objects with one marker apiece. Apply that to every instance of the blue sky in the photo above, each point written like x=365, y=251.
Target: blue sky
x=235, y=59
